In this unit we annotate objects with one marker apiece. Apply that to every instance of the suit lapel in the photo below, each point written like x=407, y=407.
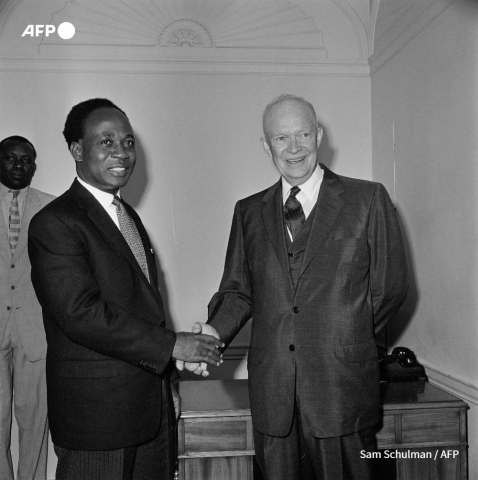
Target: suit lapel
x=105, y=224
x=272, y=216
x=327, y=209
x=32, y=205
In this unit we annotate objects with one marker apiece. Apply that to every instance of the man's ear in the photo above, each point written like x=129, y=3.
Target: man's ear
x=76, y=151
x=266, y=147
x=320, y=133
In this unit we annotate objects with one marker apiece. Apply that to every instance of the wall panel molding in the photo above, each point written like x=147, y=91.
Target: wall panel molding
x=460, y=387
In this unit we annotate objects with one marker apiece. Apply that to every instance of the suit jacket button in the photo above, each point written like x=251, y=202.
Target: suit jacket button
x=291, y=254
x=162, y=324
x=291, y=348
x=13, y=266
x=295, y=309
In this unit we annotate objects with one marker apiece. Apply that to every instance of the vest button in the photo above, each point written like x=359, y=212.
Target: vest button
x=291, y=255
x=295, y=309
x=291, y=348
x=9, y=308
x=13, y=266
x=13, y=287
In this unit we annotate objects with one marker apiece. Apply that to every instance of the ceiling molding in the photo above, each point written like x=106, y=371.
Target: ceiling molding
x=186, y=66
x=257, y=37
x=404, y=25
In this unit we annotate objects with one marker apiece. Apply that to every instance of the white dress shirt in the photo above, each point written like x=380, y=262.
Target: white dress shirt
x=105, y=199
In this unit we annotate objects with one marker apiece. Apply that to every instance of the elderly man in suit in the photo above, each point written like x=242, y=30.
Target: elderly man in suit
x=22, y=336
x=109, y=352
x=317, y=261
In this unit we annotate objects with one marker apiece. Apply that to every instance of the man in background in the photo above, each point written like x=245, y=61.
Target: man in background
x=110, y=402
x=317, y=261
x=22, y=336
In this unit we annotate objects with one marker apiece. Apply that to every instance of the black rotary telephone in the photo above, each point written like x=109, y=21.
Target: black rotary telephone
x=401, y=366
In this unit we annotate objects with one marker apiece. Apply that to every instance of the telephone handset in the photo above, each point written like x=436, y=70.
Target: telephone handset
x=401, y=366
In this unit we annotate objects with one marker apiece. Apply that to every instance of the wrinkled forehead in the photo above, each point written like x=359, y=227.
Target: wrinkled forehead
x=289, y=111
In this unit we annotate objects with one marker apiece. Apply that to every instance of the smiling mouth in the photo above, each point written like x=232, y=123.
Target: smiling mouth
x=118, y=169
x=295, y=161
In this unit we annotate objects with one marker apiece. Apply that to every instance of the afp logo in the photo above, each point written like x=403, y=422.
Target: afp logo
x=66, y=30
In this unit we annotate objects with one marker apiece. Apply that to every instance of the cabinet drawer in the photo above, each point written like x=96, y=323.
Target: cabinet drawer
x=431, y=427
x=216, y=435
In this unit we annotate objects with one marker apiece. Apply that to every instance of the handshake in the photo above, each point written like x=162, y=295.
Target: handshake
x=193, y=351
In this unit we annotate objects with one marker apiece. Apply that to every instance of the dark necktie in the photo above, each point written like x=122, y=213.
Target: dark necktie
x=14, y=222
x=293, y=212
x=131, y=235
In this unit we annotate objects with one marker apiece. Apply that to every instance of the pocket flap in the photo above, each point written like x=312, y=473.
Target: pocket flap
x=358, y=352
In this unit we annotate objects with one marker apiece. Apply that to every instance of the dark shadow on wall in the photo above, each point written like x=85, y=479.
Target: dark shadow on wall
x=399, y=324
x=136, y=186
x=325, y=154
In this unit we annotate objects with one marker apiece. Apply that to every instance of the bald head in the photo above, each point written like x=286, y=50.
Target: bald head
x=270, y=109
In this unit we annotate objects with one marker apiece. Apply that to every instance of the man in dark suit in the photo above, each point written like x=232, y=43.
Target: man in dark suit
x=109, y=353
x=22, y=336
x=317, y=261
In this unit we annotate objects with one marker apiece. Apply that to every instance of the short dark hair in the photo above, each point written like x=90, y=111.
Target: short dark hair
x=18, y=138
x=75, y=121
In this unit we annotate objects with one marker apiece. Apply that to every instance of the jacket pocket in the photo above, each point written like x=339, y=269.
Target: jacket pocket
x=89, y=368
x=358, y=352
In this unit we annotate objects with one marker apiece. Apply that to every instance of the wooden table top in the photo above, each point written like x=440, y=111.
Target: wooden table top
x=209, y=398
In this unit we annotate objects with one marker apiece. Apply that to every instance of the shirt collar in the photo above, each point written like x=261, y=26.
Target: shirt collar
x=4, y=190
x=105, y=199
x=309, y=187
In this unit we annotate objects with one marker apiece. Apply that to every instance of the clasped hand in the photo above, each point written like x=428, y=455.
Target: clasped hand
x=199, y=365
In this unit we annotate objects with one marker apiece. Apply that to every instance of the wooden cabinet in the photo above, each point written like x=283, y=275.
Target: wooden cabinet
x=215, y=430
x=422, y=434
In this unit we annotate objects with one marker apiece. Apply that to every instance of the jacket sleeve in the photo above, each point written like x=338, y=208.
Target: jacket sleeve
x=72, y=296
x=230, y=308
x=388, y=268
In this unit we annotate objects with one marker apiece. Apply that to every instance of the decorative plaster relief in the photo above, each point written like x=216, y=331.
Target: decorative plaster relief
x=173, y=23
x=185, y=33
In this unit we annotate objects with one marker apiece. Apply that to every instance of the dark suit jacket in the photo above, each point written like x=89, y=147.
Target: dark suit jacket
x=107, y=345
x=353, y=278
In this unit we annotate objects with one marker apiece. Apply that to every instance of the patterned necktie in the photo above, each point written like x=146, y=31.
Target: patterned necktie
x=14, y=222
x=131, y=235
x=293, y=212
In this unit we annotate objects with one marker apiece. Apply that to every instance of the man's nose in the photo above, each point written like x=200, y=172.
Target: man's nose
x=120, y=152
x=18, y=164
x=293, y=144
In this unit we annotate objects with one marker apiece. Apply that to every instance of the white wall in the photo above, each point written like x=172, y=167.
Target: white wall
x=425, y=100
x=199, y=152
